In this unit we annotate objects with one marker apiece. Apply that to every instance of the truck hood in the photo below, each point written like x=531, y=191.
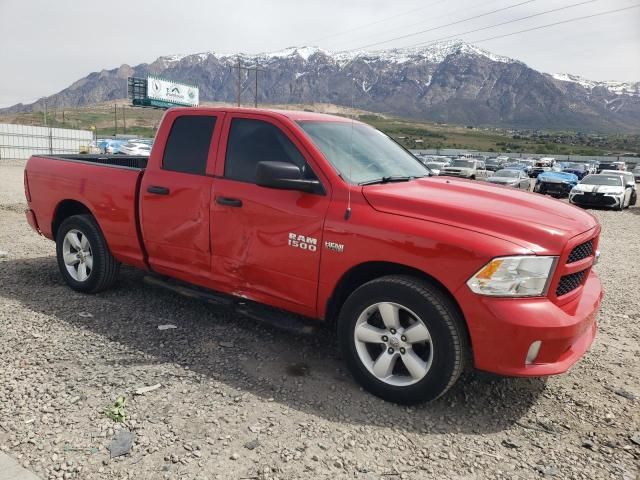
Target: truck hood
x=535, y=222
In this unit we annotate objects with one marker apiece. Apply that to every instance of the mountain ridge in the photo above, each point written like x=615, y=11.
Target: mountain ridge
x=453, y=82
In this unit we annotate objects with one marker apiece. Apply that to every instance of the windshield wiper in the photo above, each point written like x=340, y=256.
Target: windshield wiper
x=392, y=178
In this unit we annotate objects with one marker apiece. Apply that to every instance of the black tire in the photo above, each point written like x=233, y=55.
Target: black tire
x=446, y=327
x=105, y=268
x=472, y=177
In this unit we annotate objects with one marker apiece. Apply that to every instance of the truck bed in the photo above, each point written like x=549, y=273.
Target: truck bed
x=126, y=161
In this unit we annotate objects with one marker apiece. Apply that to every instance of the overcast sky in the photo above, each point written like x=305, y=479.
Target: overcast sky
x=46, y=45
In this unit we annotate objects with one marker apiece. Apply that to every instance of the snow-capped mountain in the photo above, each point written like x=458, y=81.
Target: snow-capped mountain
x=451, y=82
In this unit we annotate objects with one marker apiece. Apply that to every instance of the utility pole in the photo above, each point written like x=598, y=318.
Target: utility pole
x=45, y=111
x=115, y=120
x=124, y=121
x=239, y=80
x=254, y=69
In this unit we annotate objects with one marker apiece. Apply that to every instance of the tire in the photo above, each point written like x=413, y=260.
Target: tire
x=80, y=239
x=441, y=359
x=472, y=177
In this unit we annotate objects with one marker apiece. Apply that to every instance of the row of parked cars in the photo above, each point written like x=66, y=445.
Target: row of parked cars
x=604, y=184
x=136, y=146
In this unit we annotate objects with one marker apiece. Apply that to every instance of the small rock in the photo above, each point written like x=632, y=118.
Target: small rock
x=234, y=456
x=85, y=314
x=635, y=438
x=624, y=393
x=121, y=443
x=3, y=254
x=509, y=443
x=589, y=445
x=252, y=445
x=168, y=326
x=226, y=344
x=143, y=390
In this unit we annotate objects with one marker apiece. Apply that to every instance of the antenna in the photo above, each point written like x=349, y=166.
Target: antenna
x=347, y=213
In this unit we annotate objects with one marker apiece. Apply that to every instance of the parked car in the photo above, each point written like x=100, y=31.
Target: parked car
x=136, y=148
x=556, y=184
x=435, y=167
x=111, y=146
x=580, y=170
x=546, y=161
x=601, y=190
x=494, y=164
x=636, y=173
x=466, y=168
x=629, y=182
x=327, y=218
x=511, y=178
x=618, y=166
x=538, y=169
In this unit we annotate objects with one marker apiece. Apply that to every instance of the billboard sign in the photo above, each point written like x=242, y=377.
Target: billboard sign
x=172, y=92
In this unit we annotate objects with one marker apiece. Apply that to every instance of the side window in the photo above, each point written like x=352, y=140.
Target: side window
x=252, y=141
x=187, y=147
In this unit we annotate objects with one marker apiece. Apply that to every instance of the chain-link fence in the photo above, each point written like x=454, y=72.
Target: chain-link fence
x=19, y=142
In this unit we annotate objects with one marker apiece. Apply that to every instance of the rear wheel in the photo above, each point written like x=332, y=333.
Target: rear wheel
x=402, y=339
x=84, y=259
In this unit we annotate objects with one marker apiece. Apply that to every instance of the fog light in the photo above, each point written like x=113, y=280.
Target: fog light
x=597, y=258
x=534, y=349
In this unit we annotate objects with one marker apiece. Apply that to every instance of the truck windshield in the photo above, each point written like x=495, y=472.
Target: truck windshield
x=362, y=154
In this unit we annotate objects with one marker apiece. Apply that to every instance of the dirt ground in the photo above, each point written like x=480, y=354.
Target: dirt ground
x=239, y=400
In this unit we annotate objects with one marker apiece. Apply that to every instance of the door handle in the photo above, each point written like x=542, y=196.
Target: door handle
x=229, y=202
x=158, y=190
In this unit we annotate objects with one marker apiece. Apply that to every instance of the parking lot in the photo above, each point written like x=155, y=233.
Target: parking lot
x=241, y=400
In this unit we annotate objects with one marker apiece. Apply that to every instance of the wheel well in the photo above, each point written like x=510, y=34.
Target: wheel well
x=365, y=272
x=64, y=210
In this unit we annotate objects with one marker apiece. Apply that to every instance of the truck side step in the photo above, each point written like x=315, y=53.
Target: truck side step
x=274, y=317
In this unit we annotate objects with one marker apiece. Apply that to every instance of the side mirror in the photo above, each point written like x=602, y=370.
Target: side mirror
x=285, y=176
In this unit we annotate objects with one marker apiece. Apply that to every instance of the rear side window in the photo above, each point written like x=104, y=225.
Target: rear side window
x=252, y=141
x=187, y=147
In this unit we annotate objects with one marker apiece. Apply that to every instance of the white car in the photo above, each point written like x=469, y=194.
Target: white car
x=602, y=190
x=466, y=168
x=435, y=167
x=136, y=148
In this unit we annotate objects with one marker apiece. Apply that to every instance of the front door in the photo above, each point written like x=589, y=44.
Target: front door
x=176, y=198
x=266, y=242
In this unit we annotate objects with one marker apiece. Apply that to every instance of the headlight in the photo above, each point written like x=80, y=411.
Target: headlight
x=526, y=276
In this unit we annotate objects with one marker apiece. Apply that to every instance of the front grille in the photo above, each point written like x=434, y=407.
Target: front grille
x=568, y=283
x=595, y=199
x=582, y=251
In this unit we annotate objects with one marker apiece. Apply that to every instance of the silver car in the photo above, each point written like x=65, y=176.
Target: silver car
x=511, y=178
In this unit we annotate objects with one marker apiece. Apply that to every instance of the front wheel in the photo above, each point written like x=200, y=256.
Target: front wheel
x=402, y=339
x=84, y=259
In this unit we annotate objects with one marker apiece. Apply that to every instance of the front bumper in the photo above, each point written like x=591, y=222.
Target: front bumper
x=503, y=330
x=589, y=199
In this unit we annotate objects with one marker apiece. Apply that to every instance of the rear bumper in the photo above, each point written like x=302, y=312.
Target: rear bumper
x=31, y=219
x=503, y=331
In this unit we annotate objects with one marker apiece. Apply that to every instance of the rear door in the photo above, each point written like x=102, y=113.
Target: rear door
x=176, y=195
x=266, y=242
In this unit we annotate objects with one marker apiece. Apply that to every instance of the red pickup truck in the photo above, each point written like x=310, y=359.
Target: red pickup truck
x=328, y=218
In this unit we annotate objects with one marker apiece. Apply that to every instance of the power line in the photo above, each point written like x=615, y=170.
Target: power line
x=445, y=25
x=431, y=19
x=430, y=42
x=557, y=23
x=360, y=27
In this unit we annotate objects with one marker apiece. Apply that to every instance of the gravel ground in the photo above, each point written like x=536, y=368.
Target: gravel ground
x=241, y=400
